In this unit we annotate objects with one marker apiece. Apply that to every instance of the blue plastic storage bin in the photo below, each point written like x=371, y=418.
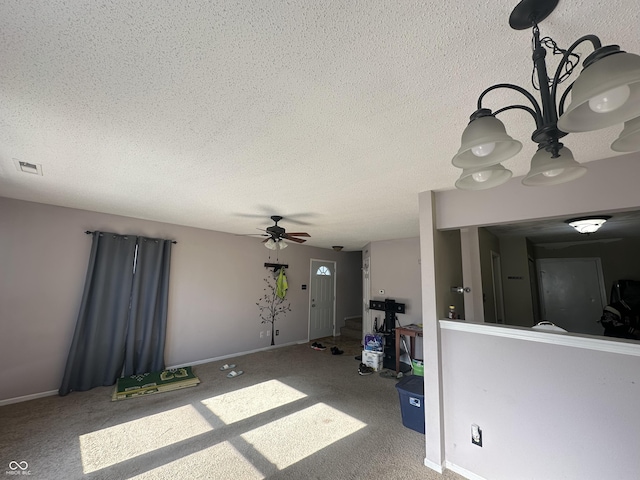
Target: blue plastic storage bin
x=411, y=391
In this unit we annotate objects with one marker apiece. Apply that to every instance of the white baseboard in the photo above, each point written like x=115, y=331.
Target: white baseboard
x=233, y=355
x=50, y=393
x=461, y=471
x=433, y=465
x=26, y=398
x=354, y=316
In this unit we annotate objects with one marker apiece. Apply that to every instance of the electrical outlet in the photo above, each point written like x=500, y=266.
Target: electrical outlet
x=261, y=334
x=476, y=435
x=277, y=332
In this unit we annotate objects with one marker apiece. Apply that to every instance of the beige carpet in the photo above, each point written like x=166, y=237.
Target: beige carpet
x=295, y=413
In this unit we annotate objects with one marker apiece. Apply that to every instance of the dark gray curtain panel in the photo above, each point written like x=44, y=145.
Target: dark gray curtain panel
x=146, y=335
x=122, y=320
x=97, y=349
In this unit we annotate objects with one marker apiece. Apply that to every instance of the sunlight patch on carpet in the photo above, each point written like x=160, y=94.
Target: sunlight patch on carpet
x=109, y=446
x=218, y=461
x=250, y=401
x=292, y=438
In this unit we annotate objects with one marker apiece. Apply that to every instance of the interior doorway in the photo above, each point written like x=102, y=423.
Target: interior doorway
x=322, y=307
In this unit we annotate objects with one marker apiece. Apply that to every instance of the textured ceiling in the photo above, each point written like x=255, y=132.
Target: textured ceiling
x=205, y=113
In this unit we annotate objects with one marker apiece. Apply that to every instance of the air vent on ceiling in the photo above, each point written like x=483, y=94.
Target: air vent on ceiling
x=26, y=167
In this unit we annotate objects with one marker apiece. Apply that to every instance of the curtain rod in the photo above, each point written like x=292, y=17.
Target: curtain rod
x=89, y=232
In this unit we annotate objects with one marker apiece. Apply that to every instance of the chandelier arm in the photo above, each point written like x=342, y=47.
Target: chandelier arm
x=563, y=99
x=520, y=107
x=595, y=41
x=536, y=107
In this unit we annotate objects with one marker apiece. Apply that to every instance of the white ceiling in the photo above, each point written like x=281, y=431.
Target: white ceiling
x=204, y=113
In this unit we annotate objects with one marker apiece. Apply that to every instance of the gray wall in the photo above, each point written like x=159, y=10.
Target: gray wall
x=395, y=268
x=216, y=279
x=546, y=411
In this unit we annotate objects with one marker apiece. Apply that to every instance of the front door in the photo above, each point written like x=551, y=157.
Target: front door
x=322, y=307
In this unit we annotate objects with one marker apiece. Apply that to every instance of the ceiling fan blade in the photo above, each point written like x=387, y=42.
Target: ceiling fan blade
x=293, y=239
x=299, y=234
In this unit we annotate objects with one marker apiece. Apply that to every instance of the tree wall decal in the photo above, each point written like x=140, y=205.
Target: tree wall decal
x=271, y=306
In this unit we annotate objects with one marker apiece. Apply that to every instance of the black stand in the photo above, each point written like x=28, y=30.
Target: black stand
x=388, y=329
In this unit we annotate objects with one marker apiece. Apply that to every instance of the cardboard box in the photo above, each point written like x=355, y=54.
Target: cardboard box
x=373, y=359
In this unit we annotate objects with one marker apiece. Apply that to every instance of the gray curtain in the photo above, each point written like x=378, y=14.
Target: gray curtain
x=144, y=350
x=123, y=315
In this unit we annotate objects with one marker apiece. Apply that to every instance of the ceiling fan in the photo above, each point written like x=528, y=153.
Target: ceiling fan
x=276, y=234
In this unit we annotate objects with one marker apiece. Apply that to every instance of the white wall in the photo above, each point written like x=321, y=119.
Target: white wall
x=216, y=280
x=546, y=411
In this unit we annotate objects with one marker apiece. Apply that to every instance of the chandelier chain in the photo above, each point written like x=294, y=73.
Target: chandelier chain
x=571, y=63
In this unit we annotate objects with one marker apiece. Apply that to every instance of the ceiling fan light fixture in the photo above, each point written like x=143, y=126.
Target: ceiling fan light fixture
x=587, y=225
x=272, y=244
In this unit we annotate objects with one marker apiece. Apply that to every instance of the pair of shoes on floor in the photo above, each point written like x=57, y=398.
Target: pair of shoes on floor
x=232, y=373
x=336, y=351
x=365, y=369
x=318, y=346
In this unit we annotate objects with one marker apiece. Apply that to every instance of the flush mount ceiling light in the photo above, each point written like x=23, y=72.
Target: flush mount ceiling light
x=606, y=93
x=588, y=224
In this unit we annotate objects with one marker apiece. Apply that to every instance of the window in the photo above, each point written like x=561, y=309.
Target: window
x=323, y=271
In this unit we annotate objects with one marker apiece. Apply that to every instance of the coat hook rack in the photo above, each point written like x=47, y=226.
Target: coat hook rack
x=275, y=266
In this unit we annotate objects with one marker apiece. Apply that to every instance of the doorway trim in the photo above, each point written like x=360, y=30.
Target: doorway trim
x=498, y=293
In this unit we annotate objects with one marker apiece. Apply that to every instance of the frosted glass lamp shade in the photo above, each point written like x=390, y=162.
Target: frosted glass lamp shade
x=588, y=225
x=629, y=139
x=482, y=135
x=553, y=171
x=605, y=79
x=482, y=178
x=272, y=244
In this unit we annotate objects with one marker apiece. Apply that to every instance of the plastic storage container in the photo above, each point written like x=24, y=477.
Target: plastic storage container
x=418, y=367
x=411, y=391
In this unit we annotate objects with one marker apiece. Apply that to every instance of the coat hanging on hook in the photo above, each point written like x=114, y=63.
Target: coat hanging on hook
x=281, y=284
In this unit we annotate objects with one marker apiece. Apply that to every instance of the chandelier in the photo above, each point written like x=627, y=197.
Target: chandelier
x=606, y=93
